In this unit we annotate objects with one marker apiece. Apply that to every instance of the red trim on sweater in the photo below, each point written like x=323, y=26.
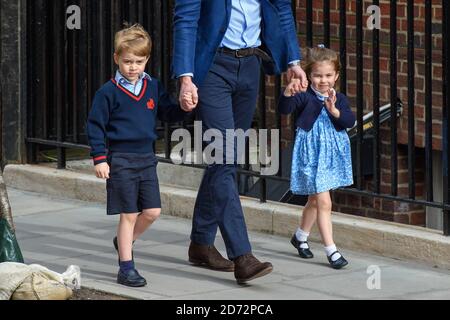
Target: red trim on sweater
x=100, y=158
x=137, y=98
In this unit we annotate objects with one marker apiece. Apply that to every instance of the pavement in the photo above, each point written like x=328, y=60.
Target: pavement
x=57, y=232
x=179, y=185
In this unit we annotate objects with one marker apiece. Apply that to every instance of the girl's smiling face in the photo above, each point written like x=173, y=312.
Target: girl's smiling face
x=323, y=76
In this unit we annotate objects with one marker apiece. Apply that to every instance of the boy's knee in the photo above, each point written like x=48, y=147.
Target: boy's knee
x=129, y=218
x=151, y=214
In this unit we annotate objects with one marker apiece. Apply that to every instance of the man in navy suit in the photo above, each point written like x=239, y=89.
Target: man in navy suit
x=219, y=46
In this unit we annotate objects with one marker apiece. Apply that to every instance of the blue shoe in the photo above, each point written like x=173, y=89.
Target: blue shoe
x=303, y=253
x=339, y=263
x=131, y=278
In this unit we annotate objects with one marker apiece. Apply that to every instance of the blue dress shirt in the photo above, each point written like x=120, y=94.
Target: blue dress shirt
x=133, y=88
x=244, y=29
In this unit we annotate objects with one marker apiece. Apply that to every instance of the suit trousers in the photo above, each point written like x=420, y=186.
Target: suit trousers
x=227, y=100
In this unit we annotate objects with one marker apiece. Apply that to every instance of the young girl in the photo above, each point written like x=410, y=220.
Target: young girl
x=321, y=158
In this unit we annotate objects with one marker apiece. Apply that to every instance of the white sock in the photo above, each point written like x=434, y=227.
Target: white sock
x=329, y=250
x=302, y=236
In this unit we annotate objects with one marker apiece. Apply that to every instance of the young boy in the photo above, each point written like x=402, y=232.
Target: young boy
x=124, y=113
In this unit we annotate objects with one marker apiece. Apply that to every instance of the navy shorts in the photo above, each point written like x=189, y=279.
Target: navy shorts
x=133, y=183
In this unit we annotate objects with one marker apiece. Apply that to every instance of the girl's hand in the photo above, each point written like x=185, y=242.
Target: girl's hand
x=293, y=87
x=102, y=170
x=298, y=73
x=330, y=103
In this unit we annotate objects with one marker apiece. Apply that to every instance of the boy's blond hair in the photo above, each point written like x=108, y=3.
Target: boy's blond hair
x=133, y=39
x=319, y=54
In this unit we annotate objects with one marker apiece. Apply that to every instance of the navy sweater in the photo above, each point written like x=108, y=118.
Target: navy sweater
x=308, y=107
x=126, y=121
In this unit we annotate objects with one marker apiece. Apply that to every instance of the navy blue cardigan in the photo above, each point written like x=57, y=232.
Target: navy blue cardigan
x=308, y=107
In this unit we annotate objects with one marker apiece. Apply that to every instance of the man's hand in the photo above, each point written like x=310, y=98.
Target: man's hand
x=296, y=72
x=188, y=89
x=330, y=103
x=102, y=170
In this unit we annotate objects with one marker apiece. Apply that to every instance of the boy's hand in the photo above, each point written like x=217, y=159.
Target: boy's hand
x=188, y=99
x=187, y=86
x=102, y=170
x=330, y=103
x=293, y=87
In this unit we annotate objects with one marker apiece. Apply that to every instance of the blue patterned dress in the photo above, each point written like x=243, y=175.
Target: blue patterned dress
x=321, y=159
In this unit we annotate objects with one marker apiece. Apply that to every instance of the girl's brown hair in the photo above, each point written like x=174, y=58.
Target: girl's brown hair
x=319, y=54
x=133, y=39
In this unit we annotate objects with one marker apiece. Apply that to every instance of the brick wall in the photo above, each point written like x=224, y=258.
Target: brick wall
x=384, y=209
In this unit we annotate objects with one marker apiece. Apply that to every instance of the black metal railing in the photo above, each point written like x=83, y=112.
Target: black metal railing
x=66, y=67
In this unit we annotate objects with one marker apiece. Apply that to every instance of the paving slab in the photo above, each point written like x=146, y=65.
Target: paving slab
x=80, y=233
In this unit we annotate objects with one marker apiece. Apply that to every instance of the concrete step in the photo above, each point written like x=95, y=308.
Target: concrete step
x=168, y=174
x=352, y=232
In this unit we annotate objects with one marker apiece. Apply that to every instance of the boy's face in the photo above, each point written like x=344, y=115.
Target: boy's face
x=130, y=65
x=323, y=76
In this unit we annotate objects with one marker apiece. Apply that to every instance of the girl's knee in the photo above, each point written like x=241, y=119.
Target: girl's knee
x=312, y=201
x=324, y=204
x=151, y=214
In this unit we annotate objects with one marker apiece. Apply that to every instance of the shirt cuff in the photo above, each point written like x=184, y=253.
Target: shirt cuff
x=294, y=63
x=189, y=74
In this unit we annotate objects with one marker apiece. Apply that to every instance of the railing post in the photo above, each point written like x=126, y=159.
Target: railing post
x=343, y=45
x=309, y=23
x=446, y=115
x=393, y=84
x=411, y=103
x=428, y=102
x=60, y=79
x=376, y=107
x=326, y=23
x=359, y=92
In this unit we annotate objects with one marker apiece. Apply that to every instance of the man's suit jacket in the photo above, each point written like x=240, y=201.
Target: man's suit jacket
x=200, y=25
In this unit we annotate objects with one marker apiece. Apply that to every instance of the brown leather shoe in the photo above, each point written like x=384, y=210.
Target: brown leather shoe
x=208, y=256
x=247, y=268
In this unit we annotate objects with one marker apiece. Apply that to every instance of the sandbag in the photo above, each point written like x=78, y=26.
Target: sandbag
x=9, y=248
x=19, y=281
x=39, y=286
